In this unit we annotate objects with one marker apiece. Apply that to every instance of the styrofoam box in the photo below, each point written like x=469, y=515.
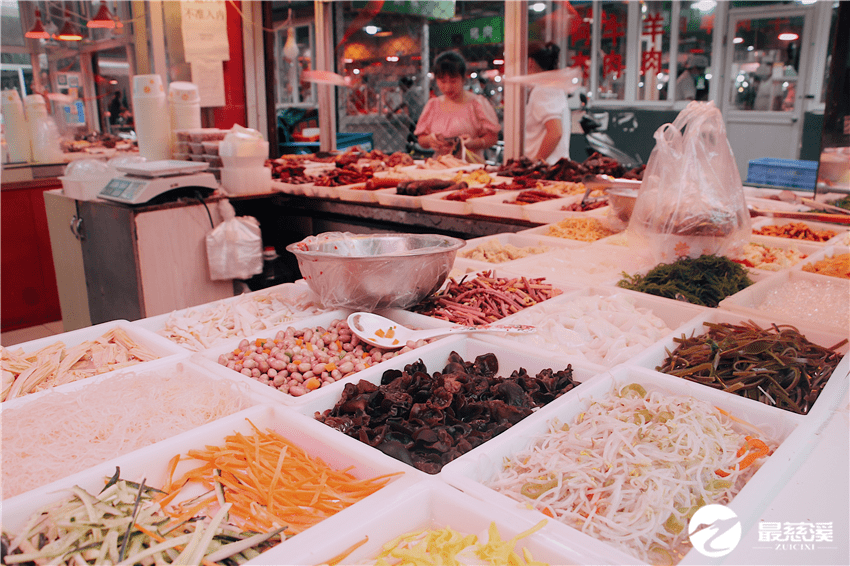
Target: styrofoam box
x=471, y=471
x=156, y=324
x=500, y=205
x=589, y=264
x=827, y=252
x=435, y=358
x=355, y=193
x=389, y=197
x=764, y=221
x=842, y=239
x=319, y=191
x=411, y=320
x=829, y=397
x=674, y=314
x=160, y=346
x=749, y=301
x=254, y=394
x=151, y=463
x=430, y=504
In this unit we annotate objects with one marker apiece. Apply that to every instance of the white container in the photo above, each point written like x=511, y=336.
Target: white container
x=150, y=108
x=829, y=397
x=17, y=129
x=429, y=504
x=184, y=105
x=151, y=463
x=470, y=472
x=161, y=347
x=44, y=134
x=246, y=180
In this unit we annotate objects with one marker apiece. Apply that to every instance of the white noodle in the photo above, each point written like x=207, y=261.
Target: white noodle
x=199, y=329
x=620, y=481
x=65, y=432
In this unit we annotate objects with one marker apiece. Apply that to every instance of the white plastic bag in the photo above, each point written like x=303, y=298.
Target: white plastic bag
x=234, y=247
x=691, y=201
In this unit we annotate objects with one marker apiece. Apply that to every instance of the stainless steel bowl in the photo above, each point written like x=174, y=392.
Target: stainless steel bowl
x=375, y=271
x=622, y=202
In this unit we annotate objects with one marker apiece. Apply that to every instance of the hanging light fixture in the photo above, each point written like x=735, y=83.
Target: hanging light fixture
x=69, y=30
x=103, y=19
x=37, y=31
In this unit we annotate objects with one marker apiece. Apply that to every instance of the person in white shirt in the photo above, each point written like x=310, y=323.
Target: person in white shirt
x=547, y=113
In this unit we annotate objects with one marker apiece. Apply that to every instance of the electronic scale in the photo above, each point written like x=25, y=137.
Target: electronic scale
x=142, y=182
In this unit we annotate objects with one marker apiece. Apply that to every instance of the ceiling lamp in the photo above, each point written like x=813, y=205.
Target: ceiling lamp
x=37, y=31
x=69, y=30
x=103, y=18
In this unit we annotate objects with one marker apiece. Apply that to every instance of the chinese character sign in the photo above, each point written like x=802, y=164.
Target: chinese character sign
x=204, y=27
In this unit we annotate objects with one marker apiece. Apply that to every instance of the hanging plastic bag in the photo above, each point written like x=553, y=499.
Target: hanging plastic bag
x=691, y=201
x=234, y=247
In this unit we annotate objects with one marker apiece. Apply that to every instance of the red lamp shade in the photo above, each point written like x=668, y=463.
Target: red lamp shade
x=69, y=30
x=103, y=18
x=37, y=31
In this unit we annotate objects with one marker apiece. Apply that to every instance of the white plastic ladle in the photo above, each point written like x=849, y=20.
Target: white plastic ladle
x=388, y=334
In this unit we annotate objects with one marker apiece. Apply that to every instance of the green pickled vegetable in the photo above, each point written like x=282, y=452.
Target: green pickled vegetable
x=704, y=281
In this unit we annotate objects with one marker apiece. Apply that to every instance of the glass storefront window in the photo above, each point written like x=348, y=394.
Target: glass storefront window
x=612, y=56
x=654, y=51
x=696, y=32
x=579, y=41
x=765, y=62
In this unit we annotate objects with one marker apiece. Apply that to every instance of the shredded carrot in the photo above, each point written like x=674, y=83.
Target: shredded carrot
x=344, y=554
x=312, y=383
x=756, y=448
x=270, y=482
x=546, y=512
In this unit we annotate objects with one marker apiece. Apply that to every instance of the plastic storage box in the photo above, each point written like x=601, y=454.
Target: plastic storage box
x=783, y=172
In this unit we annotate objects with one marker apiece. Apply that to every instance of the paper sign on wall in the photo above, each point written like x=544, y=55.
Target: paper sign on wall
x=204, y=27
x=208, y=75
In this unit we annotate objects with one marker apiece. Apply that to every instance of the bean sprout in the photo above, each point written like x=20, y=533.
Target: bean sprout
x=632, y=468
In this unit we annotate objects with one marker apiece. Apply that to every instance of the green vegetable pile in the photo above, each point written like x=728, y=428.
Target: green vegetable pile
x=705, y=280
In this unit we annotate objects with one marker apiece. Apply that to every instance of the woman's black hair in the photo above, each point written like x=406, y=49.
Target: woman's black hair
x=545, y=54
x=449, y=63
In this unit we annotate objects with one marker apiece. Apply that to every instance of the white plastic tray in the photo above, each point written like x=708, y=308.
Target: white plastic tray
x=274, y=395
x=151, y=463
x=565, y=310
x=355, y=193
x=469, y=472
x=289, y=188
x=253, y=394
x=781, y=244
x=827, y=252
x=498, y=205
x=389, y=197
x=319, y=191
x=749, y=302
x=156, y=324
x=160, y=346
x=836, y=386
x=437, y=203
x=762, y=221
x=585, y=264
x=507, y=239
x=430, y=504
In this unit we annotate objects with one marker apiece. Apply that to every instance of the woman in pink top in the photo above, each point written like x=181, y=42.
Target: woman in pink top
x=458, y=113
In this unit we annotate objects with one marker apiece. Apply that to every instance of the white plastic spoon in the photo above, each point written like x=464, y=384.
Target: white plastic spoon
x=385, y=333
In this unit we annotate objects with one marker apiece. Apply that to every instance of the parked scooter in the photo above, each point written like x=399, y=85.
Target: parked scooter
x=594, y=125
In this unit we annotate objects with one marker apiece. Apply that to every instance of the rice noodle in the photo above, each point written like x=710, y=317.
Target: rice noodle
x=62, y=433
x=605, y=330
x=629, y=482
x=202, y=328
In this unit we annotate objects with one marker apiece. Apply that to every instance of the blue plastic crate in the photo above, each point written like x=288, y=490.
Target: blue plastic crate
x=775, y=172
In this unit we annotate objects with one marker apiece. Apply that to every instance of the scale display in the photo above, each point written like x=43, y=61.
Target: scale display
x=130, y=189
